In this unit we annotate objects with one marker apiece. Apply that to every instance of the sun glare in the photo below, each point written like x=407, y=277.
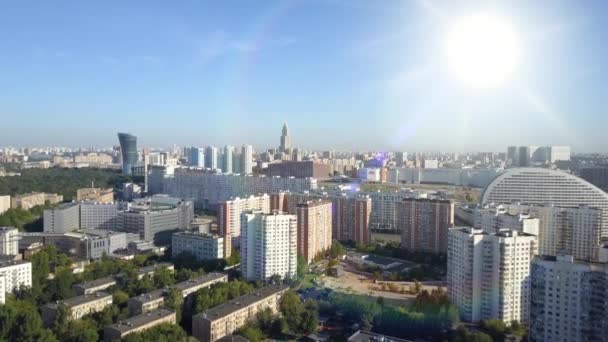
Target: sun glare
x=482, y=50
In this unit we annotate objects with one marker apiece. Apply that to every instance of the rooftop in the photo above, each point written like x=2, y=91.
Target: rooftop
x=232, y=338
x=97, y=282
x=150, y=296
x=143, y=319
x=366, y=336
x=196, y=234
x=198, y=281
x=79, y=300
x=8, y=263
x=152, y=268
x=242, y=302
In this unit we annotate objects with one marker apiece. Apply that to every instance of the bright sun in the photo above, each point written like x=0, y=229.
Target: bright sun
x=482, y=50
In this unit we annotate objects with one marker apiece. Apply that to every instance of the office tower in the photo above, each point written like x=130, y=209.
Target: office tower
x=268, y=245
x=155, y=219
x=227, y=159
x=400, y=158
x=202, y=246
x=229, y=217
x=314, y=228
x=211, y=157
x=128, y=150
x=546, y=187
x=569, y=300
x=196, y=157
x=96, y=215
x=424, y=224
x=285, y=139
x=512, y=156
x=489, y=274
x=62, y=219
x=247, y=159
x=524, y=156
x=9, y=241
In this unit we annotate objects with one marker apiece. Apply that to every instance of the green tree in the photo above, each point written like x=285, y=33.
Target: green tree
x=337, y=250
x=174, y=301
x=234, y=258
x=253, y=334
x=120, y=297
x=302, y=266
x=20, y=321
x=161, y=333
x=163, y=277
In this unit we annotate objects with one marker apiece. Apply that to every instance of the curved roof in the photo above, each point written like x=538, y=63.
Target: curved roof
x=543, y=186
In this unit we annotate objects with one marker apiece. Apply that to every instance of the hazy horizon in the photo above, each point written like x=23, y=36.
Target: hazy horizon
x=345, y=75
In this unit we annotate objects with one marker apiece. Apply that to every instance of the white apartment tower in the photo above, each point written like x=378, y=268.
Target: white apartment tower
x=247, y=159
x=268, y=245
x=9, y=241
x=489, y=274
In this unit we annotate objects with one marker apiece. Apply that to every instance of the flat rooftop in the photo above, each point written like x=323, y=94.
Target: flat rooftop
x=242, y=302
x=143, y=319
x=198, y=281
x=366, y=336
x=152, y=268
x=97, y=282
x=8, y=263
x=78, y=300
x=150, y=296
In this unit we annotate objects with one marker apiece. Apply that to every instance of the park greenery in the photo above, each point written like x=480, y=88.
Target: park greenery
x=62, y=181
x=26, y=220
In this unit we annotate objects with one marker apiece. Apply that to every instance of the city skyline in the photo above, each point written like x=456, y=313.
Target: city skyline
x=366, y=76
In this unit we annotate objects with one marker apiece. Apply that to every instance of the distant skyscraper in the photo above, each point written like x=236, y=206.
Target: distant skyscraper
x=196, y=157
x=524, y=156
x=400, y=158
x=227, y=160
x=211, y=157
x=128, y=149
x=247, y=159
x=285, y=139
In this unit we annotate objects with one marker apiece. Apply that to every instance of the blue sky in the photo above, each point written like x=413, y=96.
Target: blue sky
x=344, y=74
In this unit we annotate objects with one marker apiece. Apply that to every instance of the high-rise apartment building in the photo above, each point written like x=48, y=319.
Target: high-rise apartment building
x=211, y=157
x=351, y=213
x=569, y=300
x=5, y=203
x=489, y=274
x=268, y=245
x=314, y=228
x=9, y=241
x=247, y=159
x=227, y=159
x=229, y=217
x=546, y=187
x=128, y=150
x=424, y=224
x=300, y=169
